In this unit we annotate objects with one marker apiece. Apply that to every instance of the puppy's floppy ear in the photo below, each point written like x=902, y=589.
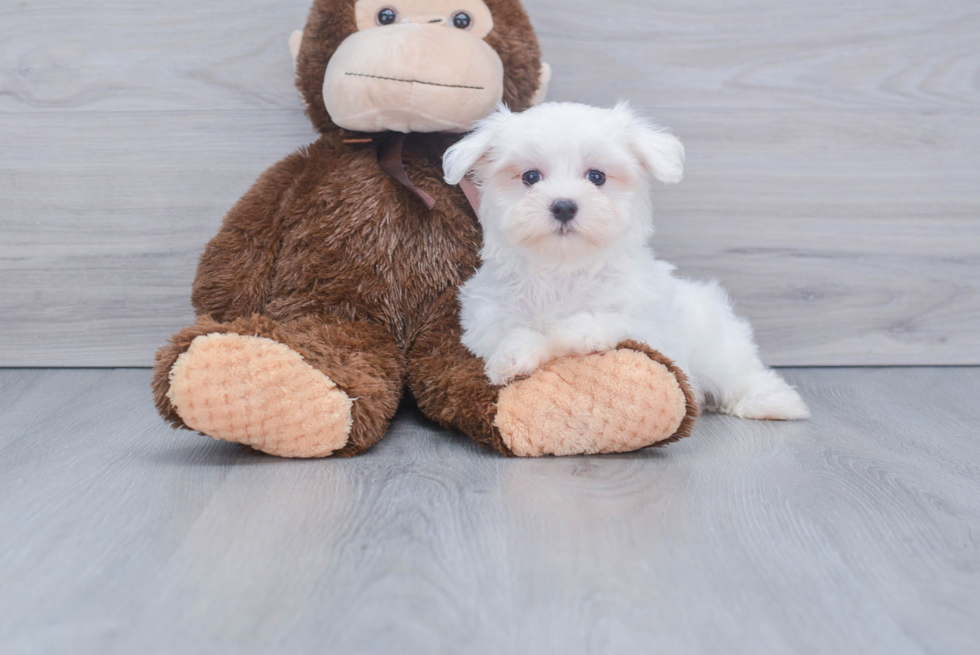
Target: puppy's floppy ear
x=463, y=157
x=659, y=151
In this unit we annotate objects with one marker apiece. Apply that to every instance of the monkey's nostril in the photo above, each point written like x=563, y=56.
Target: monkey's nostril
x=564, y=210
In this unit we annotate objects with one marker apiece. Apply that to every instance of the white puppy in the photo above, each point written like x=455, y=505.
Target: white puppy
x=567, y=268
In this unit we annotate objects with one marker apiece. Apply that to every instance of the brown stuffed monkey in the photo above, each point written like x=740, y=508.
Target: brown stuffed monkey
x=332, y=285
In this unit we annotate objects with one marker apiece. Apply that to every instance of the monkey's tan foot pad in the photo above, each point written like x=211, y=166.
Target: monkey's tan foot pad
x=261, y=393
x=615, y=402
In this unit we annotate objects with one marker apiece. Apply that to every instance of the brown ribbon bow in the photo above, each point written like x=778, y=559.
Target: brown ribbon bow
x=391, y=146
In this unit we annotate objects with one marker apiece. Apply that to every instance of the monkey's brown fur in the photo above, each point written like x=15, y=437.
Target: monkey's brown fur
x=329, y=256
x=332, y=21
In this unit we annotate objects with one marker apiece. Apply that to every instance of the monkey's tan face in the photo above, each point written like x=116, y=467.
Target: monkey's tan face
x=415, y=66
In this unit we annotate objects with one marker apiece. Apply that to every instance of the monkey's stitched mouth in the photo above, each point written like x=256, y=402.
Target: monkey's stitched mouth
x=397, y=79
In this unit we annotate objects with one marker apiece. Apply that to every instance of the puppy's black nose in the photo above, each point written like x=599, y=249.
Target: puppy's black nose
x=565, y=210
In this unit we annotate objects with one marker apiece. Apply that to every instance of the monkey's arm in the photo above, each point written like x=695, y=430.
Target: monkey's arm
x=236, y=268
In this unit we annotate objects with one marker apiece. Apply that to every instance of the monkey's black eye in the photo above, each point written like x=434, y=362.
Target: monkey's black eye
x=387, y=16
x=462, y=20
x=597, y=178
x=532, y=177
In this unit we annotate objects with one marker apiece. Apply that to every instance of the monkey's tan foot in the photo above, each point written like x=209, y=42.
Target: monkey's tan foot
x=620, y=401
x=258, y=392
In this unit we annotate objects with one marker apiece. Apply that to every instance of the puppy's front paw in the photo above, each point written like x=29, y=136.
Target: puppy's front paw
x=585, y=334
x=521, y=353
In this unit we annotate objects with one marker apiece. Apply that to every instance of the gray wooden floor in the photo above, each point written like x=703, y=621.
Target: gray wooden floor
x=856, y=532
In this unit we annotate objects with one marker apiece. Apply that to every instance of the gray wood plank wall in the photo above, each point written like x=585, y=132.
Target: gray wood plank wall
x=833, y=177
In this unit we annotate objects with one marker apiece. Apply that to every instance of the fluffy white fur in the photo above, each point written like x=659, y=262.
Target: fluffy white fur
x=548, y=289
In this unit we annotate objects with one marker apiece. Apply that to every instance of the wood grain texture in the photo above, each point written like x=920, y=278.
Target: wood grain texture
x=833, y=176
x=145, y=55
x=855, y=532
x=185, y=55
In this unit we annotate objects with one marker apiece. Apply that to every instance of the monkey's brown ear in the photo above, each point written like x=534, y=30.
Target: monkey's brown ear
x=542, y=93
x=295, y=43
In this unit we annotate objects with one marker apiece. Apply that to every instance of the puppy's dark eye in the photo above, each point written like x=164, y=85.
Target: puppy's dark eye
x=532, y=177
x=597, y=178
x=462, y=20
x=387, y=16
